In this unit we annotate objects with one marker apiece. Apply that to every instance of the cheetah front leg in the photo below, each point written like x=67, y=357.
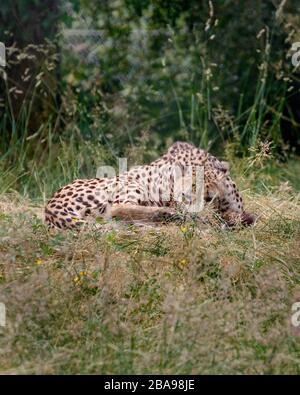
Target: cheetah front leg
x=132, y=212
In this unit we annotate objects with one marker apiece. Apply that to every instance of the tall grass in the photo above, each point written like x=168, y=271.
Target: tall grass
x=64, y=147
x=168, y=300
x=118, y=299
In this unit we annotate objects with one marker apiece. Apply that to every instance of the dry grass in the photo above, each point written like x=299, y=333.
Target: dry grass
x=174, y=299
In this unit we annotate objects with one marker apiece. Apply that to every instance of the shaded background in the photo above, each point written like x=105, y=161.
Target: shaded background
x=87, y=81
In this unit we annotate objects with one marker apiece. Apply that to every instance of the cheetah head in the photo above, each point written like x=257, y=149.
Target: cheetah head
x=219, y=187
x=222, y=191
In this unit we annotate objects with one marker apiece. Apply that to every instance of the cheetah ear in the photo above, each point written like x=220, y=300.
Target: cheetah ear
x=225, y=167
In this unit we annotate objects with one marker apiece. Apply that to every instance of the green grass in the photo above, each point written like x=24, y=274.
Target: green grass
x=116, y=299
x=163, y=300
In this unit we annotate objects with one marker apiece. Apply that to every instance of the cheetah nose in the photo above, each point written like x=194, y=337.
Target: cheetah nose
x=248, y=219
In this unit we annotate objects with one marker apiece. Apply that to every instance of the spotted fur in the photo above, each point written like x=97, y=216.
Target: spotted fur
x=149, y=191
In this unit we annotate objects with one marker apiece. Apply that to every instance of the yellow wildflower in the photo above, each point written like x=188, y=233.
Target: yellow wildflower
x=77, y=280
x=39, y=262
x=183, y=262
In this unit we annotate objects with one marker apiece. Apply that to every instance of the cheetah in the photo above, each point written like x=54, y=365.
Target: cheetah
x=148, y=192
